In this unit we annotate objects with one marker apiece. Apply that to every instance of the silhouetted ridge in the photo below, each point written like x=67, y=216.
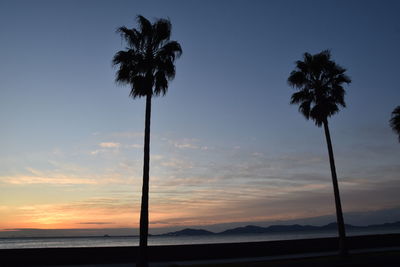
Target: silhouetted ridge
x=253, y=229
x=249, y=229
x=334, y=226
x=189, y=231
x=294, y=227
x=385, y=225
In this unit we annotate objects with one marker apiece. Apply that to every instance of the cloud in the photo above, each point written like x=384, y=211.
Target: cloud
x=176, y=163
x=109, y=145
x=249, y=203
x=247, y=186
x=136, y=146
x=114, y=147
x=96, y=223
x=186, y=143
x=20, y=229
x=106, y=147
x=192, y=185
x=185, y=146
x=67, y=176
x=58, y=179
x=127, y=135
x=97, y=151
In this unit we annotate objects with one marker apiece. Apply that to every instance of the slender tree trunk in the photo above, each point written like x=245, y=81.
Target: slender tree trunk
x=142, y=260
x=339, y=214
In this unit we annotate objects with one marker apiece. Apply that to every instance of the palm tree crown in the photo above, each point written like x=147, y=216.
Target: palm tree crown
x=319, y=80
x=395, y=121
x=147, y=64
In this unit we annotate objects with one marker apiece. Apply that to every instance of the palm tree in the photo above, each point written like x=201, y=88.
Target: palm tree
x=319, y=81
x=147, y=65
x=395, y=121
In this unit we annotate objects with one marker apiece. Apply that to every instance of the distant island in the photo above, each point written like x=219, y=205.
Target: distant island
x=252, y=229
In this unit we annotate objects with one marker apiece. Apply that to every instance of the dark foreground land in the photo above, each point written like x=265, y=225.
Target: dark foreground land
x=230, y=252
x=379, y=259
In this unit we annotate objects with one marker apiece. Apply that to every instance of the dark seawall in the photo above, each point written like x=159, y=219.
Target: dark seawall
x=92, y=255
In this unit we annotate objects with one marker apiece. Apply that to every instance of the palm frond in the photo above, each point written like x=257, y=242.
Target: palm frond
x=305, y=108
x=297, y=79
x=131, y=36
x=145, y=27
x=167, y=67
x=171, y=49
x=301, y=96
x=161, y=83
x=140, y=86
x=395, y=121
x=162, y=31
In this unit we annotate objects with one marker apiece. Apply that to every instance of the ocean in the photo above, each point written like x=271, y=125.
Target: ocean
x=63, y=242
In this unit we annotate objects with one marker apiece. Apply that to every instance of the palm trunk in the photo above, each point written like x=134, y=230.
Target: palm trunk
x=142, y=260
x=339, y=214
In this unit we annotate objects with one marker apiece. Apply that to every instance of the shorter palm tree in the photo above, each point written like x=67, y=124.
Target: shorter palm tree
x=319, y=81
x=395, y=121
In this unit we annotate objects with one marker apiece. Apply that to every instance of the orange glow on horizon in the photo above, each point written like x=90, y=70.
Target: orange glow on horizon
x=60, y=217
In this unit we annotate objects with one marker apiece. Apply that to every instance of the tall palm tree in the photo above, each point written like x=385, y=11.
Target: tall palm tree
x=319, y=81
x=147, y=65
x=395, y=121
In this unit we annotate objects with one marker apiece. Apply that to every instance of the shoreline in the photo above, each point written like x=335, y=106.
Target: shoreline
x=102, y=255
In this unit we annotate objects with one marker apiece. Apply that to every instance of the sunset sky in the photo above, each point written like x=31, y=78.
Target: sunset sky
x=226, y=146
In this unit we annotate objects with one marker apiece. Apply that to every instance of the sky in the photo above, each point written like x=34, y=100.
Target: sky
x=227, y=148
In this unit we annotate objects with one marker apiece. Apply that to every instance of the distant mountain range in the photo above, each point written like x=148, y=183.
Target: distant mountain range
x=252, y=229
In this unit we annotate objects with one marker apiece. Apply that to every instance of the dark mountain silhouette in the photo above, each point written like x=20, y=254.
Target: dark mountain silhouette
x=334, y=226
x=189, y=231
x=249, y=229
x=385, y=225
x=252, y=229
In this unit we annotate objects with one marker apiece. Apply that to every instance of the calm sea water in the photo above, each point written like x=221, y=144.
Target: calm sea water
x=63, y=242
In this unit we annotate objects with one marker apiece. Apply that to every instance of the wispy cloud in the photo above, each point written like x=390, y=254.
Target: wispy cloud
x=185, y=143
x=196, y=183
x=110, y=145
x=127, y=135
x=176, y=163
x=59, y=179
x=114, y=147
x=97, y=151
x=95, y=223
x=106, y=147
x=136, y=146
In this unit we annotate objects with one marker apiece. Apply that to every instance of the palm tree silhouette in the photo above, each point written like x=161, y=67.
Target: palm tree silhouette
x=319, y=81
x=395, y=121
x=147, y=65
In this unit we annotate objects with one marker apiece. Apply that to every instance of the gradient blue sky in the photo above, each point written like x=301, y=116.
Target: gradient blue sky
x=226, y=144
